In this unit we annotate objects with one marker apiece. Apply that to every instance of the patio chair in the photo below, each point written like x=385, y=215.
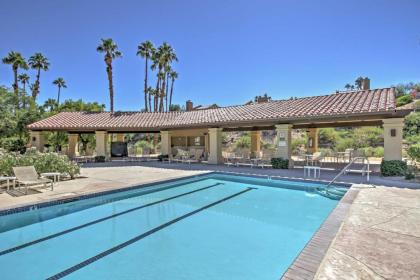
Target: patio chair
x=27, y=176
x=315, y=158
x=196, y=158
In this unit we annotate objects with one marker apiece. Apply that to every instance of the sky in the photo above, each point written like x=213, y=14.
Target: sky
x=229, y=50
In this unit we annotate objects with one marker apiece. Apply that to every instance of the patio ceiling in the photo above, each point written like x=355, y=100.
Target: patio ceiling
x=355, y=108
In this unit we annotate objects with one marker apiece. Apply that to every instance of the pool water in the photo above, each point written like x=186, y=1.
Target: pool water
x=210, y=227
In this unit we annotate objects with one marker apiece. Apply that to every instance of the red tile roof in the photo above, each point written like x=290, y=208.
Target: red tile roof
x=338, y=105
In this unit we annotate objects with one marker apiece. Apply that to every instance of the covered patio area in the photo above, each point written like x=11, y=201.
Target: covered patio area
x=198, y=135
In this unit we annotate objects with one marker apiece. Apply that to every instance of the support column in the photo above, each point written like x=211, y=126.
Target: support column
x=165, y=148
x=37, y=140
x=284, y=141
x=206, y=145
x=312, y=140
x=255, y=143
x=72, y=151
x=393, y=135
x=101, y=143
x=215, y=145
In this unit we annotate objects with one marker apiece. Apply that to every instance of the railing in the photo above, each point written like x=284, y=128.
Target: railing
x=347, y=167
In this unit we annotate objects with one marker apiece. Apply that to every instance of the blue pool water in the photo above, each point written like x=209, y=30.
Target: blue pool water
x=210, y=227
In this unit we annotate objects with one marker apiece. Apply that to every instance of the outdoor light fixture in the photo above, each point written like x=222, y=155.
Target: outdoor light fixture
x=393, y=132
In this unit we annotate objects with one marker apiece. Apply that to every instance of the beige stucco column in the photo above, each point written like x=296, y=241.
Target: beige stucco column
x=284, y=141
x=120, y=137
x=165, y=138
x=255, y=143
x=101, y=143
x=73, y=149
x=37, y=140
x=393, y=135
x=215, y=146
x=312, y=140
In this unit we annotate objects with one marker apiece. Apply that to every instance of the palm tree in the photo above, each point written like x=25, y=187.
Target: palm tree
x=38, y=62
x=173, y=75
x=50, y=104
x=111, y=51
x=24, y=79
x=17, y=61
x=60, y=83
x=146, y=50
x=358, y=82
x=347, y=86
x=164, y=56
x=150, y=93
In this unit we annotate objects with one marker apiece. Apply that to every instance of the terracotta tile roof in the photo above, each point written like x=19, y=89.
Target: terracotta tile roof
x=342, y=104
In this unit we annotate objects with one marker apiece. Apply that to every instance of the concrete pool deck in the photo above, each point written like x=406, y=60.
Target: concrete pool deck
x=379, y=238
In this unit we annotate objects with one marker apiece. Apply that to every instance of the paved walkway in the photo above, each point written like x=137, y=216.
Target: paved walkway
x=297, y=173
x=97, y=179
x=379, y=239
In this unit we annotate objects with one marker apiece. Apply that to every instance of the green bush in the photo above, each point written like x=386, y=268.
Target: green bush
x=404, y=99
x=412, y=125
x=43, y=162
x=161, y=157
x=100, y=159
x=414, y=152
x=280, y=163
x=372, y=152
x=13, y=144
x=393, y=168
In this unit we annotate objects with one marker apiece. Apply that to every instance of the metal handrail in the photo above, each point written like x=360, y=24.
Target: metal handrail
x=346, y=167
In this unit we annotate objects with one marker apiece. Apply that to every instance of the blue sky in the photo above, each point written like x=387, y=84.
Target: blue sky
x=229, y=51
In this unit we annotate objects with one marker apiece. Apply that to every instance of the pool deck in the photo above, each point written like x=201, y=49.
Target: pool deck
x=378, y=239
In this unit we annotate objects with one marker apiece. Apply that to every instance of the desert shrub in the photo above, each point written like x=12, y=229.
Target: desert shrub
x=414, y=152
x=243, y=142
x=13, y=144
x=43, y=162
x=393, y=168
x=412, y=125
x=372, y=151
x=99, y=158
x=326, y=152
x=280, y=163
x=297, y=143
x=404, y=99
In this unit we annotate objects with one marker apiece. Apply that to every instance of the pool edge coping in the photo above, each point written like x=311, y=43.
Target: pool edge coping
x=95, y=193
x=309, y=260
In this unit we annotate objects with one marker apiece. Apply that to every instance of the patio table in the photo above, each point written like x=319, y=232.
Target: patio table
x=54, y=175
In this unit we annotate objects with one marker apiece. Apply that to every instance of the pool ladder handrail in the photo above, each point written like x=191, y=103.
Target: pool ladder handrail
x=347, y=167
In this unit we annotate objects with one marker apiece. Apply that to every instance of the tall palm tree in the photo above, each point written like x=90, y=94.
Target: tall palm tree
x=38, y=62
x=347, y=86
x=24, y=79
x=163, y=58
x=173, y=76
x=150, y=93
x=17, y=61
x=60, y=83
x=146, y=50
x=111, y=51
x=358, y=82
x=50, y=104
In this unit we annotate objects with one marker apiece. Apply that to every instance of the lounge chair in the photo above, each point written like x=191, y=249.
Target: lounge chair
x=314, y=159
x=198, y=153
x=27, y=176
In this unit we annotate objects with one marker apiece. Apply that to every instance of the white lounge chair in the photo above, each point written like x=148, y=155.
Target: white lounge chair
x=27, y=176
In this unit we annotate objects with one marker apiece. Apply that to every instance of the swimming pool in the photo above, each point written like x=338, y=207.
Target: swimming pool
x=215, y=226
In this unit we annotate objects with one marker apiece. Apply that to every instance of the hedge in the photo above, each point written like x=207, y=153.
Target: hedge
x=43, y=162
x=280, y=163
x=393, y=168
